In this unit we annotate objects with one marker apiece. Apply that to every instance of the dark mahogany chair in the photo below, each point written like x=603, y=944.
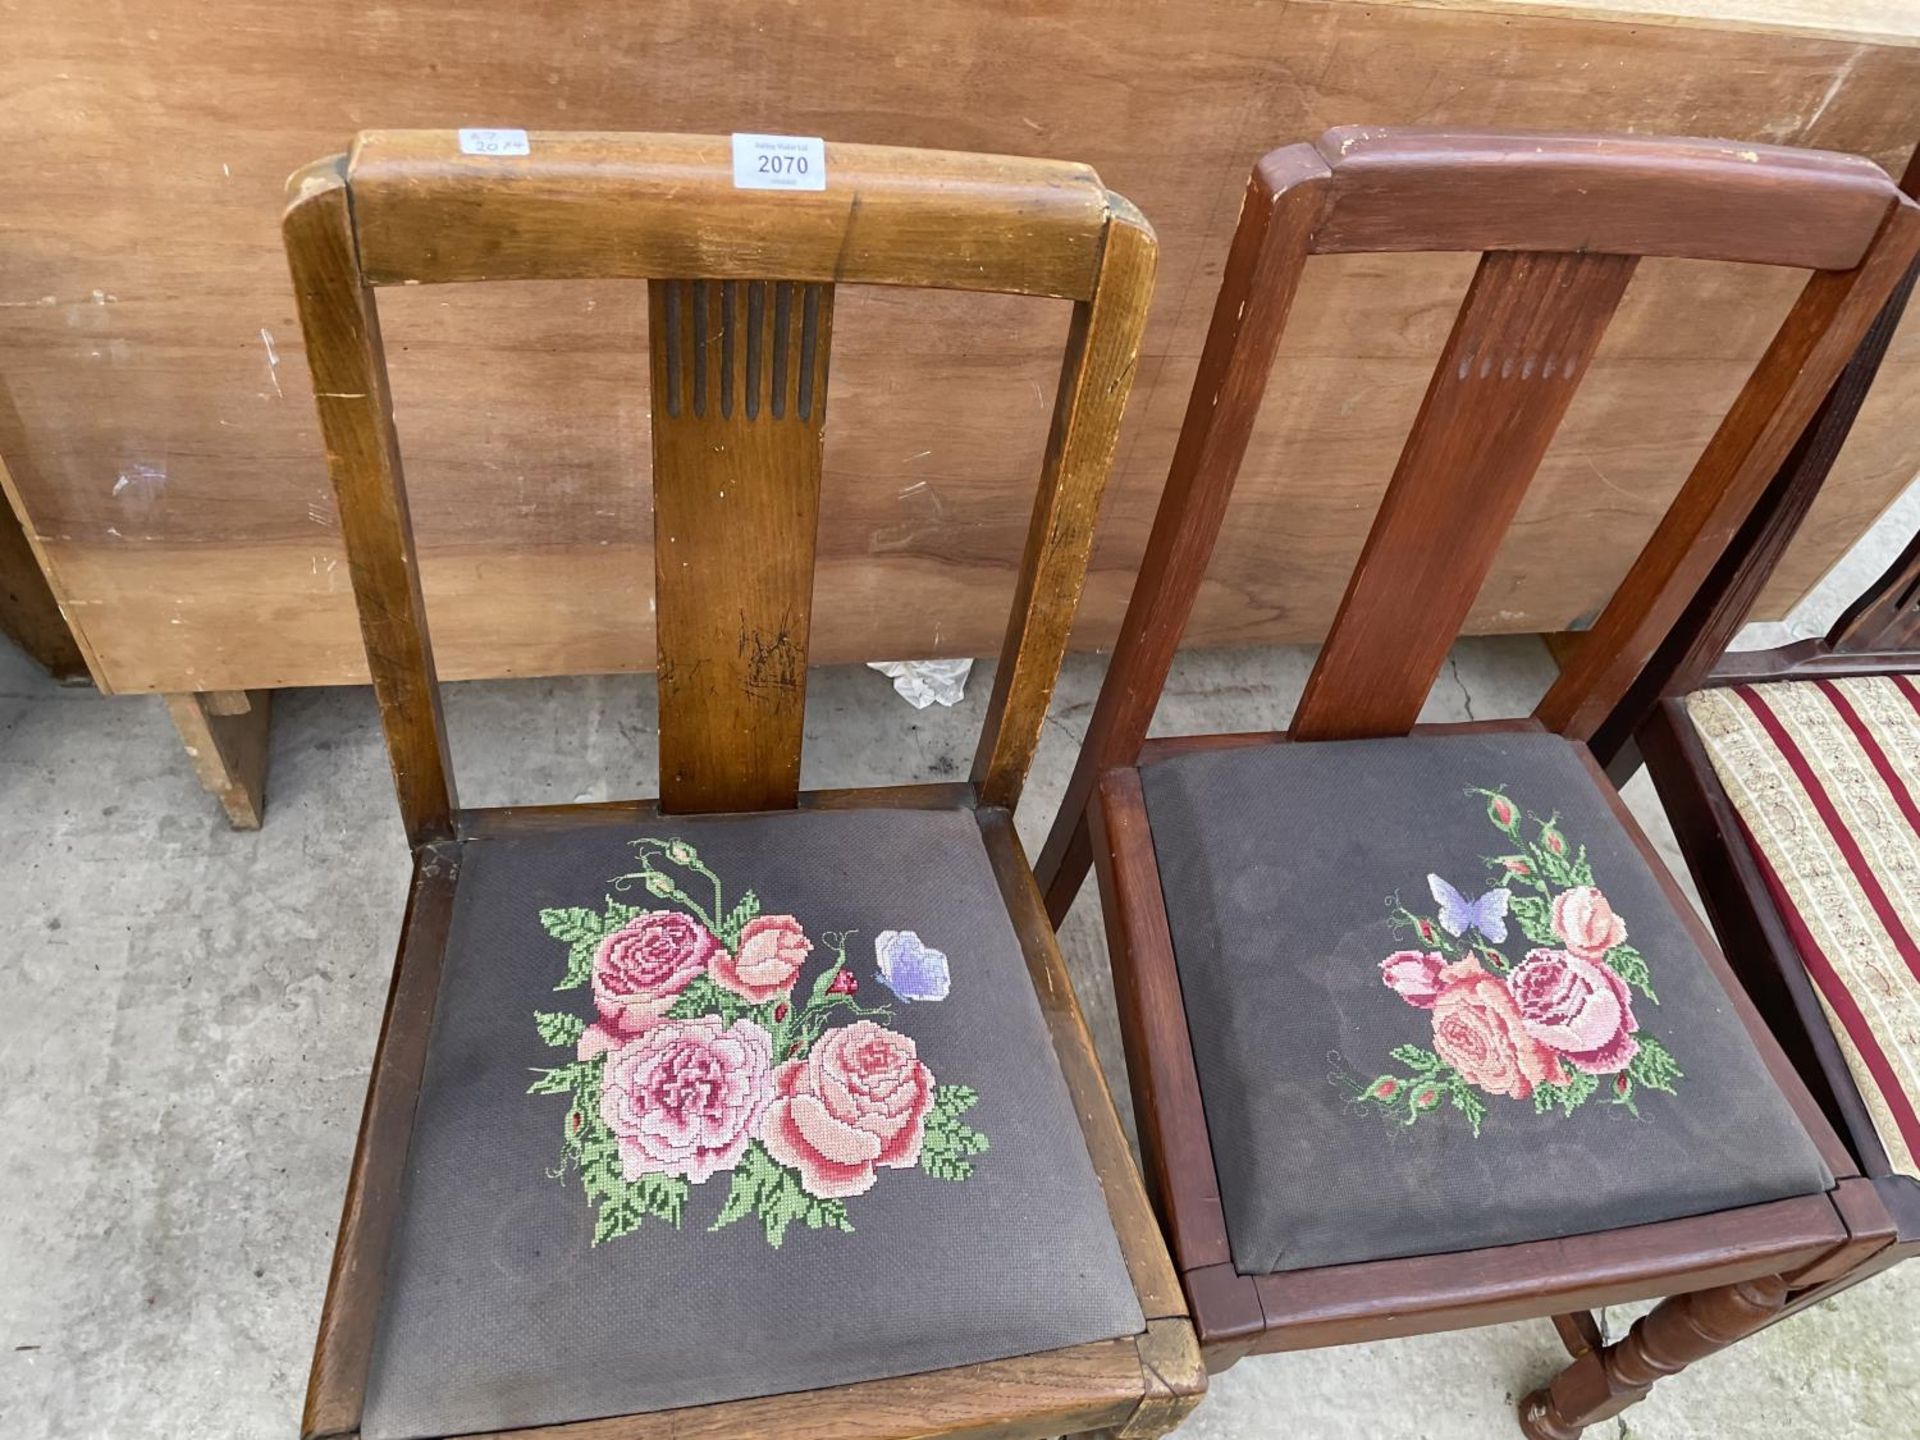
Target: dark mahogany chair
x=1421, y=1034
x=746, y=1112
x=1792, y=777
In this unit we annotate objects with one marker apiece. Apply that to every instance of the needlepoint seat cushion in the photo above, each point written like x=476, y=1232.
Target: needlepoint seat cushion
x=1825, y=776
x=1438, y=1001
x=727, y=1107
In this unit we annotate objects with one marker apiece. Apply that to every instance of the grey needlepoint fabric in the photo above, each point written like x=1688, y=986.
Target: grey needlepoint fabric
x=700, y=1091
x=1386, y=945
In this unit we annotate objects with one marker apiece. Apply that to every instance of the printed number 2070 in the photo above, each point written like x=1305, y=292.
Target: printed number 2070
x=782, y=164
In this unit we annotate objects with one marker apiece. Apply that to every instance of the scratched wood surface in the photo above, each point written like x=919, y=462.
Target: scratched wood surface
x=153, y=392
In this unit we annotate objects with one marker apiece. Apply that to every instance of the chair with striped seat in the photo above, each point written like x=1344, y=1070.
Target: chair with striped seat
x=1792, y=777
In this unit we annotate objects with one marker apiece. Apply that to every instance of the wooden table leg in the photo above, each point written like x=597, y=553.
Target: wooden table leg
x=226, y=736
x=1674, y=1334
x=29, y=615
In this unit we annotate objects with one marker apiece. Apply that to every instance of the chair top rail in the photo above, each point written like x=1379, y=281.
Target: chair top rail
x=586, y=205
x=1410, y=189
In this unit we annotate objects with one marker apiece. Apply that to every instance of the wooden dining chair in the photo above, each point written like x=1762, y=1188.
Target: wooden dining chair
x=747, y=1111
x=1792, y=778
x=1421, y=1035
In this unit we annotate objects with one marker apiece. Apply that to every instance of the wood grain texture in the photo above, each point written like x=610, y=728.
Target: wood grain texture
x=523, y=410
x=1522, y=339
x=739, y=373
x=1148, y=1264
x=1520, y=345
x=1673, y=1335
x=337, y=1383
x=350, y=389
x=1086, y=1388
x=739, y=376
x=1286, y=200
x=1162, y=1077
x=227, y=744
x=1774, y=407
x=1706, y=627
x=1583, y=194
x=639, y=207
x=1096, y=377
x=29, y=611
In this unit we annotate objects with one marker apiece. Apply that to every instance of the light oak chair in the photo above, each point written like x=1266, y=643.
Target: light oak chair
x=1420, y=1033
x=747, y=1111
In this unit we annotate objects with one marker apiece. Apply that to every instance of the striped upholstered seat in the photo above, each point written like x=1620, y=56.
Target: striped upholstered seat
x=1825, y=775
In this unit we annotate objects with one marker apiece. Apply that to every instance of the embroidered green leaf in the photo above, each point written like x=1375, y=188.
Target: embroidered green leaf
x=558, y=1028
x=737, y=918
x=583, y=930
x=574, y=923
x=1566, y=1098
x=764, y=1187
x=703, y=996
x=1653, y=1067
x=1582, y=871
x=947, y=1142
x=562, y=1080
x=1534, y=915
x=1424, y=1061
x=1462, y=1097
x=1631, y=966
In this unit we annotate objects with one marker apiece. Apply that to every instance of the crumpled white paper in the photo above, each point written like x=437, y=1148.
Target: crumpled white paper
x=926, y=682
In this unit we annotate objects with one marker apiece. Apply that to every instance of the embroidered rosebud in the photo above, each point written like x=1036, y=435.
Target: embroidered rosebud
x=681, y=853
x=1553, y=839
x=1500, y=810
x=1621, y=1085
x=1426, y=1097
x=780, y=1012
x=659, y=885
x=843, y=984
x=1514, y=865
x=1385, y=1088
x=1426, y=929
x=573, y=1122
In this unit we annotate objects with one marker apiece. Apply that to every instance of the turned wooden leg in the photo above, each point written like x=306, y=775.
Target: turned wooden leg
x=1666, y=1340
x=226, y=737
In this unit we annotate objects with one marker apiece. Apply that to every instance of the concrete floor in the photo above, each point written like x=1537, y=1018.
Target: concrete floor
x=187, y=1016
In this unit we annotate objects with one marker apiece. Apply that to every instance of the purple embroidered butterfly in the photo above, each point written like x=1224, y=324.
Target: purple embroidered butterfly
x=909, y=969
x=1458, y=914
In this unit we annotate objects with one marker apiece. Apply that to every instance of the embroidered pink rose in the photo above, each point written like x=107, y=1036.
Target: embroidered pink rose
x=684, y=1097
x=857, y=1100
x=1580, y=1008
x=771, y=951
x=1478, y=1030
x=1413, y=976
x=639, y=971
x=1586, y=922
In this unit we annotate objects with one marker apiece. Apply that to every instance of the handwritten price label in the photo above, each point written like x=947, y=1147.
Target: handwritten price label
x=779, y=162
x=494, y=142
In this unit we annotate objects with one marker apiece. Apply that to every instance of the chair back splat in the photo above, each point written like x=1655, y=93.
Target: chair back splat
x=1560, y=221
x=741, y=300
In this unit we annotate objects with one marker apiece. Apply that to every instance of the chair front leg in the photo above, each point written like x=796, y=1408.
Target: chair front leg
x=1670, y=1337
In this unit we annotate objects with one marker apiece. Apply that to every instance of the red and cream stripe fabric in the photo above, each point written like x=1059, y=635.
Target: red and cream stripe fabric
x=1826, y=777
